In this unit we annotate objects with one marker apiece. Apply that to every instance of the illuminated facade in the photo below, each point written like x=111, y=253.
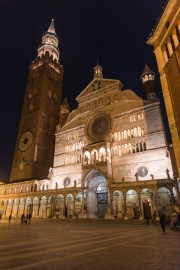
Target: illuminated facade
x=110, y=155
x=166, y=42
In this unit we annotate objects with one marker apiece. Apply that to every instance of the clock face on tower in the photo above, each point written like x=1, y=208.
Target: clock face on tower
x=25, y=141
x=99, y=127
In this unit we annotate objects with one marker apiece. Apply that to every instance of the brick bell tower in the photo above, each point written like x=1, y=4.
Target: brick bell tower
x=34, y=151
x=149, y=84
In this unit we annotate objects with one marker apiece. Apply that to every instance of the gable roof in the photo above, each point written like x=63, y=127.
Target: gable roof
x=96, y=87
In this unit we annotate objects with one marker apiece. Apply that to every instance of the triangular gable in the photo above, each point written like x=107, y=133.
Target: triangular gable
x=96, y=86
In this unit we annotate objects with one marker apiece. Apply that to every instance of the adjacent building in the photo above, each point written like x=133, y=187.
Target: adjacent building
x=166, y=41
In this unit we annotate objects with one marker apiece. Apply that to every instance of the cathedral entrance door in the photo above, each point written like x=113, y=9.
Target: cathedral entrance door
x=102, y=203
x=96, y=194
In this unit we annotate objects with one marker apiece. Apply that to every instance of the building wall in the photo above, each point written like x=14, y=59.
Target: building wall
x=166, y=42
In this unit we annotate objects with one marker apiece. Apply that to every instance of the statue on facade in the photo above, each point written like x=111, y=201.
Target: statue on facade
x=56, y=185
x=75, y=182
x=50, y=173
x=152, y=176
x=21, y=164
x=167, y=172
x=58, y=127
x=136, y=175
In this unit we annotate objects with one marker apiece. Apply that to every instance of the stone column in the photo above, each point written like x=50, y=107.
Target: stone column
x=11, y=211
x=17, y=209
x=169, y=46
x=74, y=212
x=125, y=208
x=140, y=207
x=82, y=205
x=175, y=40
x=39, y=207
x=81, y=214
x=160, y=58
x=54, y=208
x=178, y=27
x=165, y=55
x=156, y=207
x=111, y=204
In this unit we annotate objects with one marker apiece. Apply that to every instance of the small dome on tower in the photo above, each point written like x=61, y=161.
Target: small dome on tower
x=147, y=74
x=65, y=102
x=98, y=70
x=149, y=84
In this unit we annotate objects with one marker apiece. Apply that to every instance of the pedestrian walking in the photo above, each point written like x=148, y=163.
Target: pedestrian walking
x=163, y=222
x=26, y=219
x=9, y=218
x=22, y=218
x=147, y=219
x=29, y=219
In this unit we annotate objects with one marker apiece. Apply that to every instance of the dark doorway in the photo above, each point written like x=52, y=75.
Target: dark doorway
x=102, y=203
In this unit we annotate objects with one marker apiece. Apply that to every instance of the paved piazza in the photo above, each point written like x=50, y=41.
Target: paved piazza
x=87, y=244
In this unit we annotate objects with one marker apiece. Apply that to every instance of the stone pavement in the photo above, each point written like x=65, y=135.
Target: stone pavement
x=88, y=245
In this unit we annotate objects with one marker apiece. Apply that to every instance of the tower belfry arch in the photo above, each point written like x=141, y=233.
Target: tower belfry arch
x=96, y=194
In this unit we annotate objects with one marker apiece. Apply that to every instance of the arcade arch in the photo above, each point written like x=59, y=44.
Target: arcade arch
x=95, y=195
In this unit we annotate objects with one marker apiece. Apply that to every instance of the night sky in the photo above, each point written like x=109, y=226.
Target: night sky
x=114, y=31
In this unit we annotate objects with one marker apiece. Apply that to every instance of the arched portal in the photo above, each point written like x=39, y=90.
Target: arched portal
x=96, y=194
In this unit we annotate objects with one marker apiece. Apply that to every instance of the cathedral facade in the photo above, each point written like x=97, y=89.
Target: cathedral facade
x=109, y=158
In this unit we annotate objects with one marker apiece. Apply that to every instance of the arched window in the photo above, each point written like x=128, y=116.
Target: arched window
x=119, y=150
x=139, y=131
x=115, y=137
x=115, y=151
x=144, y=146
x=132, y=132
x=133, y=148
x=125, y=149
x=125, y=134
x=142, y=131
x=100, y=102
x=108, y=100
x=119, y=136
x=135, y=132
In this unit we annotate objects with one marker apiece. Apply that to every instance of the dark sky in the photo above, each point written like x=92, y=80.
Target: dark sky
x=115, y=31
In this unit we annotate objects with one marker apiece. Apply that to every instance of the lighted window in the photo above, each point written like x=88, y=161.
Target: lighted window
x=131, y=118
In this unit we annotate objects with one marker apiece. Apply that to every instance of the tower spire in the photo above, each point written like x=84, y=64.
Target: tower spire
x=51, y=28
x=50, y=42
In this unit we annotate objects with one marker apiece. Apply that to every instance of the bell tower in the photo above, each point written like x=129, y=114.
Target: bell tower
x=149, y=83
x=34, y=150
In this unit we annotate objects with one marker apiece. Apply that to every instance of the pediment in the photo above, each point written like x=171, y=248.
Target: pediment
x=97, y=86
